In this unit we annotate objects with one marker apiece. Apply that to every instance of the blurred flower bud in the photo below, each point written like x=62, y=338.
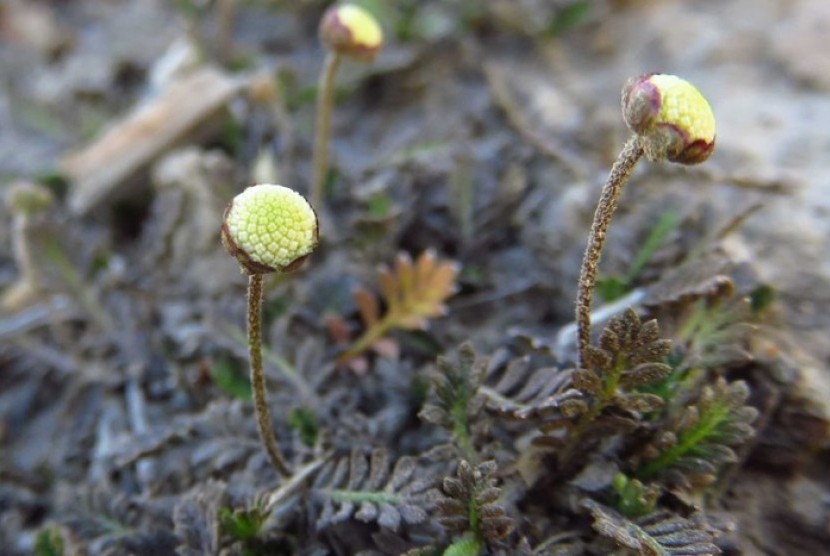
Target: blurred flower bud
x=351, y=30
x=28, y=198
x=269, y=228
x=671, y=116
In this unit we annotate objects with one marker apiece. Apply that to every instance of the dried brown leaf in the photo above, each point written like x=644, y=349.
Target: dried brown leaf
x=367, y=306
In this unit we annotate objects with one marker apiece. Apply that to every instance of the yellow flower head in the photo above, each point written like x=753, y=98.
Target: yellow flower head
x=351, y=30
x=671, y=116
x=269, y=228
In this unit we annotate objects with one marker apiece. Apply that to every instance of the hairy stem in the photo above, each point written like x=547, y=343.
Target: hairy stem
x=263, y=417
x=325, y=102
x=631, y=153
x=226, y=15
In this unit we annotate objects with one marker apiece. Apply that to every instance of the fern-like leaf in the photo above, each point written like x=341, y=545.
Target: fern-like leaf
x=413, y=292
x=605, y=398
x=362, y=487
x=516, y=389
x=701, y=439
x=196, y=520
x=456, y=402
x=659, y=534
x=470, y=505
x=716, y=333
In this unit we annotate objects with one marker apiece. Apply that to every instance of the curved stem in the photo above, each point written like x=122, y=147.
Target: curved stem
x=263, y=417
x=631, y=153
x=325, y=102
x=367, y=339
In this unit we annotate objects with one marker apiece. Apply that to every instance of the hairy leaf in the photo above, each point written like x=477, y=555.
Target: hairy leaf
x=363, y=486
x=604, y=399
x=515, y=389
x=456, y=403
x=470, y=503
x=196, y=520
x=703, y=437
x=659, y=534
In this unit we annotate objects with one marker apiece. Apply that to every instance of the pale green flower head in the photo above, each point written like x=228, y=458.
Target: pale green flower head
x=269, y=228
x=672, y=117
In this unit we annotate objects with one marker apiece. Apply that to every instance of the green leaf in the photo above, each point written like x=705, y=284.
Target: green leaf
x=242, y=525
x=49, y=542
x=468, y=546
x=570, y=17
x=611, y=288
x=304, y=421
x=668, y=222
x=760, y=298
x=231, y=379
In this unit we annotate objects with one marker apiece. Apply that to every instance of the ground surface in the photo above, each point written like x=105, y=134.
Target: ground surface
x=482, y=133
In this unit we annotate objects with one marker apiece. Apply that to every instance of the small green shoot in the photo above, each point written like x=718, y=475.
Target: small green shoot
x=304, y=421
x=613, y=288
x=703, y=437
x=633, y=498
x=231, y=379
x=242, y=524
x=569, y=17
x=49, y=542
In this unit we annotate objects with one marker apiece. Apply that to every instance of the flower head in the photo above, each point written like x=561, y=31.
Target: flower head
x=351, y=30
x=28, y=198
x=671, y=116
x=269, y=228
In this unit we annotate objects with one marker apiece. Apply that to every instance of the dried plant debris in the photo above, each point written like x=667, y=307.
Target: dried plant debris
x=456, y=403
x=413, y=292
x=110, y=521
x=470, y=507
x=362, y=487
x=659, y=534
x=703, y=437
x=196, y=520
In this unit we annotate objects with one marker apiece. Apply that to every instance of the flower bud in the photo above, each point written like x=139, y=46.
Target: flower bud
x=28, y=198
x=351, y=30
x=269, y=228
x=671, y=116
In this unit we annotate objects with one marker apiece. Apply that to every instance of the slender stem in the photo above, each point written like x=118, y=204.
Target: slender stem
x=611, y=191
x=226, y=15
x=22, y=252
x=368, y=338
x=325, y=102
x=263, y=417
